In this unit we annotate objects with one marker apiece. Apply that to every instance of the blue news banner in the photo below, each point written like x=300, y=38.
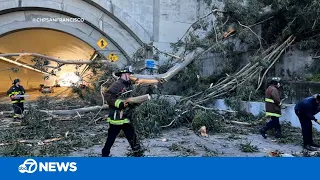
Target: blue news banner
x=159, y=168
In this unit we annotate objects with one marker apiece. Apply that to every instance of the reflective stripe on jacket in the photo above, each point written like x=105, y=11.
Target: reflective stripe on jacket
x=14, y=90
x=272, y=101
x=116, y=104
x=118, y=121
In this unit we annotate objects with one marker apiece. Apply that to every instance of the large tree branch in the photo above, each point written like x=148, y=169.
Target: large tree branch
x=56, y=59
x=67, y=112
x=143, y=79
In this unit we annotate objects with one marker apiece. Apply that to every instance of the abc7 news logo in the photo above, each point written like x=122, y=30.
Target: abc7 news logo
x=29, y=166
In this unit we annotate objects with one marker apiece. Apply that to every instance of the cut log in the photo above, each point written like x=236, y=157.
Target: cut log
x=39, y=142
x=139, y=99
x=241, y=123
x=51, y=140
x=75, y=111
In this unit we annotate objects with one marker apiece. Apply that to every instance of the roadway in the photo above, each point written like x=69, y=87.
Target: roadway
x=59, y=92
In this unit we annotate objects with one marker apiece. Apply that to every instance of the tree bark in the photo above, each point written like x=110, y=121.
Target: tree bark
x=66, y=112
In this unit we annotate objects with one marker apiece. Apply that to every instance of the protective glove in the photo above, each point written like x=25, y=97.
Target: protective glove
x=13, y=97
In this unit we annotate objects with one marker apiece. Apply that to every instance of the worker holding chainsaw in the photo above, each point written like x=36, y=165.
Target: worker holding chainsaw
x=16, y=93
x=305, y=110
x=119, y=116
x=273, y=108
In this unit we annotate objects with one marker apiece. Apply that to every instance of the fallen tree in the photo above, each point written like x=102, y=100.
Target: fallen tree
x=267, y=35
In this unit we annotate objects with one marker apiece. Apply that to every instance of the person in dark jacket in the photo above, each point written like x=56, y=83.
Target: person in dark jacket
x=118, y=117
x=305, y=110
x=273, y=108
x=17, y=102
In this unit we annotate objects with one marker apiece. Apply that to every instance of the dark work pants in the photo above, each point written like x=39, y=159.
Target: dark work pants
x=18, y=108
x=274, y=123
x=113, y=132
x=306, y=126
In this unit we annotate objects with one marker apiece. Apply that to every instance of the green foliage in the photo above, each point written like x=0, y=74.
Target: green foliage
x=247, y=92
x=89, y=94
x=38, y=126
x=175, y=46
x=92, y=93
x=184, y=83
x=315, y=69
x=244, y=116
x=308, y=44
x=291, y=135
x=316, y=77
x=247, y=12
x=248, y=148
x=184, y=151
x=17, y=150
x=234, y=103
x=150, y=116
x=212, y=121
x=5, y=107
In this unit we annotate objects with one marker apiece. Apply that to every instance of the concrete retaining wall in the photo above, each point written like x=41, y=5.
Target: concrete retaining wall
x=256, y=108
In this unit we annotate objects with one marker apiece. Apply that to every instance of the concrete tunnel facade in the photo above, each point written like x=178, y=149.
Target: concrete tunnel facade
x=18, y=16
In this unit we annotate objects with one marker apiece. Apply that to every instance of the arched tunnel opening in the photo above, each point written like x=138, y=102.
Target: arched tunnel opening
x=33, y=73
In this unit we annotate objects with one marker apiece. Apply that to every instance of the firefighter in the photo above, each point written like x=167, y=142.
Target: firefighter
x=119, y=118
x=17, y=102
x=273, y=108
x=305, y=110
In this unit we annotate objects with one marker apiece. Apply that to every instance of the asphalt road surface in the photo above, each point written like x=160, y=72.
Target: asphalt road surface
x=34, y=94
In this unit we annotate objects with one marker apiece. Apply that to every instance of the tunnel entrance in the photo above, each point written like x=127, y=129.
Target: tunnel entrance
x=47, y=42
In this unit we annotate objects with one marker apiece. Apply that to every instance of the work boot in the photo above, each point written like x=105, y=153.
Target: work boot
x=310, y=148
x=103, y=155
x=16, y=119
x=263, y=133
x=278, y=134
x=138, y=151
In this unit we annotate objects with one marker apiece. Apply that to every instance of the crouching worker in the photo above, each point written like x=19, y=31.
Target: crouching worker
x=118, y=118
x=305, y=110
x=17, y=102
